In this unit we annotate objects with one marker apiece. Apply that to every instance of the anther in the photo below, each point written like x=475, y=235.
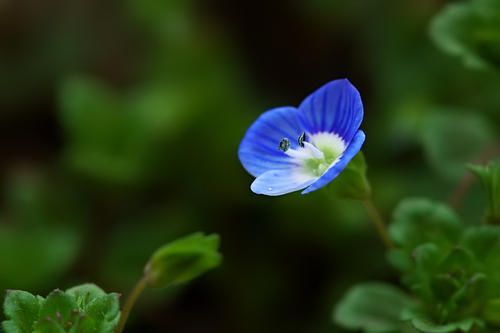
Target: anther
x=284, y=145
x=301, y=139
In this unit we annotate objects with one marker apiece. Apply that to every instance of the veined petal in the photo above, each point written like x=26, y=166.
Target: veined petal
x=278, y=182
x=336, y=108
x=352, y=149
x=258, y=151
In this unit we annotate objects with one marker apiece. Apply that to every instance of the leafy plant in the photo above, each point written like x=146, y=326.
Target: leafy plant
x=87, y=308
x=84, y=308
x=449, y=268
x=470, y=30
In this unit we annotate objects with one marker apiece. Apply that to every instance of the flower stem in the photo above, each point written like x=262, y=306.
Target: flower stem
x=378, y=222
x=136, y=292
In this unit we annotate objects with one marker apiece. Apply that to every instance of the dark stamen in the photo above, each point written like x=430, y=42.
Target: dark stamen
x=301, y=139
x=284, y=145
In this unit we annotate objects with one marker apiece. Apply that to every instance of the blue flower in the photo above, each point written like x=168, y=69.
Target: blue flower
x=289, y=149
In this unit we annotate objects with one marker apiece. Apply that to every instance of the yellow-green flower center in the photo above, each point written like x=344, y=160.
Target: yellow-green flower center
x=318, y=166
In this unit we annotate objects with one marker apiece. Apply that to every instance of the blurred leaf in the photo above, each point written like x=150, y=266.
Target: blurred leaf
x=483, y=241
x=183, y=260
x=491, y=312
x=105, y=140
x=420, y=221
x=452, y=138
x=490, y=180
x=40, y=255
x=352, y=182
x=373, y=308
x=424, y=323
x=470, y=30
x=116, y=138
x=21, y=310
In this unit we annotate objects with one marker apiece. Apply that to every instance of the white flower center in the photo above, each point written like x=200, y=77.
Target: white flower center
x=320, y=153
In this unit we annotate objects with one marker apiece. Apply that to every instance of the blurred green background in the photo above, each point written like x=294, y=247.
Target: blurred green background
x=119, y=129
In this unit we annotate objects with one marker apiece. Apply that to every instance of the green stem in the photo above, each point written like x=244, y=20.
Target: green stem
x=378, y=222
x=136, y=292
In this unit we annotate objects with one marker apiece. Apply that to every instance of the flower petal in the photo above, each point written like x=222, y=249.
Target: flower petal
x=351, y=150
x=278, y=182
x=336, y=108
x=258, y=151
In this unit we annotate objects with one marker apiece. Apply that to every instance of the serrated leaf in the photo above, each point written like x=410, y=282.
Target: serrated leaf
x=470, y=30
x=183, y=260
x=105, y=310
x=85, y=293
x=421, y=321
x=421, y=221
x=373, y=308
x=60, y=307
x=21, y=310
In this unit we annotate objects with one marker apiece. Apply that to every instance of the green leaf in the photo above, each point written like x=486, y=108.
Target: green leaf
x=105, y=310
x=490, y=180
x=183, y=260
x=352, y=182
x=59, y=307
x=470, y=30
x=421, y=321
x=483, y=241
x=452, y=138
x=48, y=325
x=102, y=308
x=21, y=310
x=373, y=307
x=420, y=221
x=85, y=293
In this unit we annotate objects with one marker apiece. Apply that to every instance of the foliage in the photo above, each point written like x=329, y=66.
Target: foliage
x=449, y=268
x=490, y=180
x=119, y=126
x=470, y=29
x=84, y=308
x=183, y=260
x=374, y=308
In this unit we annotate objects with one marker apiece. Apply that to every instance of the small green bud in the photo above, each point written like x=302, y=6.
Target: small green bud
x=490, y=180
x=352, y=182
x=183, y=260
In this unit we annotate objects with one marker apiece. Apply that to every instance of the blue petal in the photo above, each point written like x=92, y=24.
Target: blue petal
x=259, y=151
x=336, y=108
x=353, y=148
x=278, y=182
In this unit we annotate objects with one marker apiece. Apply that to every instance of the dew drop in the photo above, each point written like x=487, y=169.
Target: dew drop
x=269, y=188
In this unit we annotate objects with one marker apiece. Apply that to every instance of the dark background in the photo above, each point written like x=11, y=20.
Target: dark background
x=119, y=128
